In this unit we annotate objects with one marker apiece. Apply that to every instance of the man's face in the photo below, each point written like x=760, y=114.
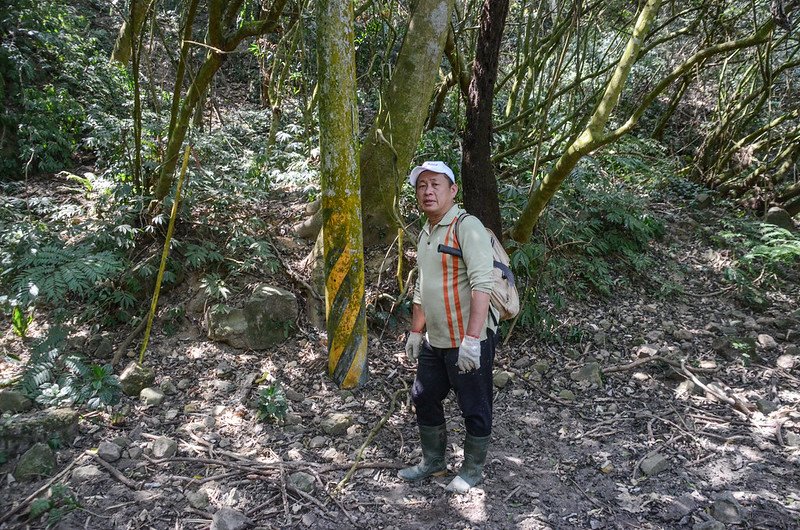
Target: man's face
x=435, y=193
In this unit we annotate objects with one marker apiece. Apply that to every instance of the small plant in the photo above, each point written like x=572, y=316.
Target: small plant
x=272, y=404
x=20, y=321
x=58, y=502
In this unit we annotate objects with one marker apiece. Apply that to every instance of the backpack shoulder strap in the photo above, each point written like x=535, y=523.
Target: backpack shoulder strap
x=463, y=215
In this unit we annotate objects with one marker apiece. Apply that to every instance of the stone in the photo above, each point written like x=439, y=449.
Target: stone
x=787, y=362
x=726, y=509
x=523, y=362
x=336, y=424
x=151, y=396
x=19, y=433
x=164, y=447
x=654, y=464
x=766, y=406
x=683, y=334
x=135, y=378
x=168, y=387
x=567, y=395
x=702, y=200
x=501, y=378
x=89, y=473
x=646, y=350
x=263, y=321
x=791, y=439
x=318, y=442
x=678, y=508
x=589, y=372
x=654, y=336
x=230, y=519
x=38, y=461
x=197, y=499
x=766, y=342
x=302, y=481
x=14, y=401
x=541, y=366
x=184, y=384
x=779, y=217
x=109, y=451
x=711, y=524
x=293, y=395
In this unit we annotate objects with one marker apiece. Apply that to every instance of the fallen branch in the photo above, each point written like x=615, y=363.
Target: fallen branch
x=736, y=403
x=125, y=344
x=114, y=471
x=645, y=360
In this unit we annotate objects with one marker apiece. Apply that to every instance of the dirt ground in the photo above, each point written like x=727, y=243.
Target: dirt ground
x=639, y=448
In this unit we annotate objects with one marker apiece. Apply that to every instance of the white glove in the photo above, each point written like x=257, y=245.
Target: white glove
x=413, y=344
x=469, y=354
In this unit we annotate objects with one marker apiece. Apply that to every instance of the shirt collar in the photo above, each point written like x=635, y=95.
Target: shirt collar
x=451, y=214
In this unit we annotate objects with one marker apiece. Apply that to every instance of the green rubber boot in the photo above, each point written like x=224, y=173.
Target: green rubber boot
x=433, y=441
x=471, y=473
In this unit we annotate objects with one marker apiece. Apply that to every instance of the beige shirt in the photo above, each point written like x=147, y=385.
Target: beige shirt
x=445, y=282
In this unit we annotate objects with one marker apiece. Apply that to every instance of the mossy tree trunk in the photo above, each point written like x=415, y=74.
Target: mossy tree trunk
x=391, y=141
x=129, y=32
x=341, y=201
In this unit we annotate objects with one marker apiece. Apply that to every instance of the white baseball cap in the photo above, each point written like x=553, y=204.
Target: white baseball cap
x=436, y=166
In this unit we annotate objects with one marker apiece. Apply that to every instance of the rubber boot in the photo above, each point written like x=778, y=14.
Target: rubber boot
x=471, y=472
x=434, y=442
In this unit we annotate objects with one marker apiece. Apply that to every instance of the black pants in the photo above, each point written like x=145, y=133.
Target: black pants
x=437, y=373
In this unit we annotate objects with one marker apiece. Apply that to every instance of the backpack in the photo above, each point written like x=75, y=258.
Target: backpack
x=504, y=297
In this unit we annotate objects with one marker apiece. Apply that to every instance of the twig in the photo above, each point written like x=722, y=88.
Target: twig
x=13, y=511
x=369, y=439
x=733, y=401
x=111, y=469
x=645, y=360
x=123, y=346
x=294, y=276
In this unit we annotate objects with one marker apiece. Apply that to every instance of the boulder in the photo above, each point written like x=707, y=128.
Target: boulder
x=38, y=461
x=779, y=217
x=18, y=433
x=263, y=321
x=14, y=401
x=135, y=378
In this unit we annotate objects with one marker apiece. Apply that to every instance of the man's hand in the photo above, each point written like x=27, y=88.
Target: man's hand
x=413, y=344
x=469, y=354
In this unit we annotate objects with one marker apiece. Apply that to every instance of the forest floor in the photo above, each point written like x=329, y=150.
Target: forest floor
x=639, y=447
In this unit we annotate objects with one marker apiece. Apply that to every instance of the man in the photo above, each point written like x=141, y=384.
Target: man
x=452, y=335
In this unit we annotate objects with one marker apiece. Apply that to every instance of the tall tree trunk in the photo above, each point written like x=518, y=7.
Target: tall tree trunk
x=129, y=32
x=391, y=141
x=593, y=135
x=341, y=201
x=477, y=175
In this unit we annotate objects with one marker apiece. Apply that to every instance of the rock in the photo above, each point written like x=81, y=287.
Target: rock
x=766, y=406
x=109, y=451
x=197, y=499
x=678, y=508
x=779, y=217
x=104, y=349
x=263, y=321
x=151, y=396
x=726, y=509
x=541, y=366
x=164, y=447
x=567, y=395
x=14, y=401
x=318, y=442
x=654, y=464
x=168, y=387
x=230, y=519
x=336, y=424
x=766, y=342
x=703, y=200
x=735, y=348
x=293, y=395
x=709, y=525
x=588, y=372
x=501, y=378
x=646, y=350
x=523, y=362
x=607, y=467
x=302, y=481
x=18, y=433
x=184, y=384
x=88, y=473
x=787, y=362
x=225, y=387
x=38, y=461
x=791, y=439
x=135, y=378
x=654, y=336
x=683, y=334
